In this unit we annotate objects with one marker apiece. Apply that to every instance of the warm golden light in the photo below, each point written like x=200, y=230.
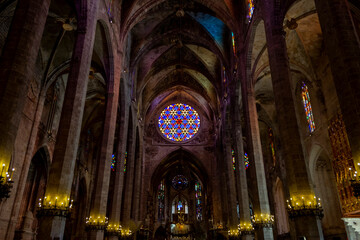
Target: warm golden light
x=303, y=201
x=99, y=220
x=245, y=227
x=55, y=202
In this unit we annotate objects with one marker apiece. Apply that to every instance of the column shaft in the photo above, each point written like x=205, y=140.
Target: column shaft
x=17, y=68
x=231, y=188
x=130, y=172
x=256, y=155
x=115, y=209
x=242, y=187
x=63, y=164
x=100, y=196
x=296, y=171
x=137, y=182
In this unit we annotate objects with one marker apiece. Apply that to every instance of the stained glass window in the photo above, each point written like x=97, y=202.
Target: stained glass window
x=238, y=210
x=179, y=206
x=246, y=160
x=125, y=159
x=198, y=203
x=233, y=159
x=233, y=42
x=113, y=162
x=180, y=182
x=224, y=74
x=179, y=122
x=250, y=9
x=271, y=144
x=110, y=9
x=161, y=201
x=307, y=106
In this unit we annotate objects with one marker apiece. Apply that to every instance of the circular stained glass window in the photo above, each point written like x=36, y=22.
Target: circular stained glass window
x=179, y=122
x=180, y=182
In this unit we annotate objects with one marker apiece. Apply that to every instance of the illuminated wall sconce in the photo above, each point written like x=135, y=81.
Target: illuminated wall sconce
x=96, y=223
x=304, y=206
x=126, y=234
x=234, y=234
x=263, y=220
x=246, y=229
x=113, y=230
x=55, y=206
x=6, y=182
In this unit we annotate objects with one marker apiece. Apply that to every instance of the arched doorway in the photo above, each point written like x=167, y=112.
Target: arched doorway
x=34, y=189
x=282, y=222
x=325, y=188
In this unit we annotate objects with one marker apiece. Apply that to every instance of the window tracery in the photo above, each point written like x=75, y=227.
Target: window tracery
x=180, y=182
x=179, y=122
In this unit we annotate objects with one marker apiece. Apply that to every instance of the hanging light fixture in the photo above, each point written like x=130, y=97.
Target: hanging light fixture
x=6, y=182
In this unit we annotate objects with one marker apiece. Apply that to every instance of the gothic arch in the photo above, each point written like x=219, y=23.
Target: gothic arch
x=323, y=179
x=281, y=217
x=36, y=179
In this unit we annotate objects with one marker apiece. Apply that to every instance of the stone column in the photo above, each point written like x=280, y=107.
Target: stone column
x=256, y=155
x=17, y=68
x=230, y=176
x=63, y=164
x=242, y=187
x=130, y=172
x=101, y=188
x=296, y=173
x=115, y=212
x=137, y=175
x=343, y=49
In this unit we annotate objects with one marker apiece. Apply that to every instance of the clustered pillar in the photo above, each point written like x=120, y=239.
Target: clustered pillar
x=17, y=69
x=242, y=188
x=62, y=168
x=254, y=141
x=100, y=195
x=296, y=172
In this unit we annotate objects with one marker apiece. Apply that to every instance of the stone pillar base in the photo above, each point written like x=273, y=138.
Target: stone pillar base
x=309, y=227
x=51, y=227
x=264, y=233
x=26, y=233
x=96, y=235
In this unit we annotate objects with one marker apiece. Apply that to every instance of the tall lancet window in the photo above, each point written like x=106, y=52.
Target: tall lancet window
x=272, y=145
x=110, y=11
x=125, y=160
x=307, y=107
x=233, y=159
x=233, y=43
x=113, y=162
x=161, y=201
x=198, y=200
x=250, y=9
x=246, y=160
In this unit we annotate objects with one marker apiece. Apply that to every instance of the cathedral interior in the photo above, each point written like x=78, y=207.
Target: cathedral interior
x=180, y=119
